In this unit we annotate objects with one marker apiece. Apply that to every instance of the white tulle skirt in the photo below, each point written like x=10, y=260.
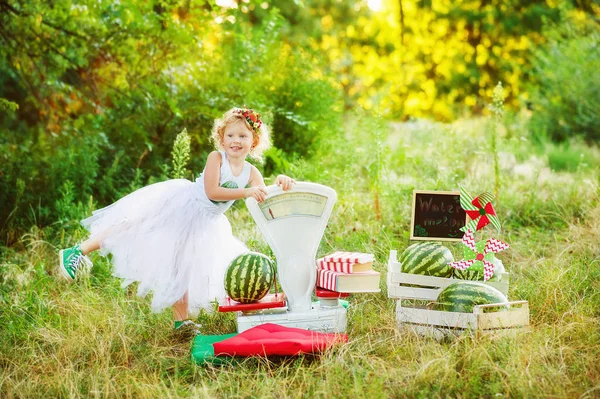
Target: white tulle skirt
x=162, y=237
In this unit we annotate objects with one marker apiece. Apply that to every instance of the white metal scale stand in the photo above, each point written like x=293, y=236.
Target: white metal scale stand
x=293, y=223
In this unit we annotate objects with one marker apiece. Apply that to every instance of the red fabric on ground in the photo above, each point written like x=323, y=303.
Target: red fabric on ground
x=273, y=339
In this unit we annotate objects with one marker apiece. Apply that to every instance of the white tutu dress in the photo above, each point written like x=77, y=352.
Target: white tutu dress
x=171, y=239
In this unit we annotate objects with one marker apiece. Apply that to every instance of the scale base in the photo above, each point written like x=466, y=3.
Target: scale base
x=329, y=319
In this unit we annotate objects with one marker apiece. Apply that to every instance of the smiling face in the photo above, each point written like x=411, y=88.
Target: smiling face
x=237, y=140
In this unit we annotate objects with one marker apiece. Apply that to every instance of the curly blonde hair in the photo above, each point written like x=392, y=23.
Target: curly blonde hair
x=260, y=137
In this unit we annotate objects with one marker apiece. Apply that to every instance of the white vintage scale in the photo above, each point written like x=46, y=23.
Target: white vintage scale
x=293, y=223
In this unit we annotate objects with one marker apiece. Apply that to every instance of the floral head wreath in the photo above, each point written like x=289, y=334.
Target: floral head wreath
x=253, y=118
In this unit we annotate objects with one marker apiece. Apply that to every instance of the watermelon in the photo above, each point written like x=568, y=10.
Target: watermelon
x=462, y=296
x=475, y=272
x=227, y=184
x=428, y=258
x=248, y=277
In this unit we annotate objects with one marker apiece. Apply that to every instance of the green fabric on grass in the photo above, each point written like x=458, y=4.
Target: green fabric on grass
x=203, y=351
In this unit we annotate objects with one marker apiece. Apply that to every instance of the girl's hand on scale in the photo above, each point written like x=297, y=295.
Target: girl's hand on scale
x=258, y=192
x=285, y=182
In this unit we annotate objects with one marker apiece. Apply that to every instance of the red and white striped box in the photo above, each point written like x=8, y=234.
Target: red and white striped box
x=343, y=267
x=349, y=257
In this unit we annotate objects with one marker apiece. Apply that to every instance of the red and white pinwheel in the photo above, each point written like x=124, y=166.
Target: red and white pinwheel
x=478, y=255
x=479, y=209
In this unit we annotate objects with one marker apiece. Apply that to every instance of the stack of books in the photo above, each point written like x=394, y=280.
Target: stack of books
x=347, y=272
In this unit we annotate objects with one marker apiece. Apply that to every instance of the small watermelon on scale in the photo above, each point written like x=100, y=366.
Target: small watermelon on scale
x=249, y=277
x=462, y=296
x=428, y=258
x=227, y=184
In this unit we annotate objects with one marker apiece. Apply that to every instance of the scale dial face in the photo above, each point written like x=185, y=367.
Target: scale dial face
x=293, y=204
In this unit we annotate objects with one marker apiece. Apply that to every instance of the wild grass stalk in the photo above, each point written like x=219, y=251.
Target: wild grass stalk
x=497, y=108
x=181, y=154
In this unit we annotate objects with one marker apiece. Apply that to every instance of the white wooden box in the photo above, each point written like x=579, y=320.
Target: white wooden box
x=427, y=287
x=426, y=321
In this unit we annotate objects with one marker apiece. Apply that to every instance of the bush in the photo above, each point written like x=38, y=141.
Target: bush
x=566, y=100
x=104, y=124
x=261, y=69
x=571, y=156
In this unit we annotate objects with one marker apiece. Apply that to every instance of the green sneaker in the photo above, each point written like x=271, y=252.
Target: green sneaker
x=187, y=328
x=71, y=260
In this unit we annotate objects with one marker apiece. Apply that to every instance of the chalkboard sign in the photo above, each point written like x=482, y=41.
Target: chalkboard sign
x=437, y=216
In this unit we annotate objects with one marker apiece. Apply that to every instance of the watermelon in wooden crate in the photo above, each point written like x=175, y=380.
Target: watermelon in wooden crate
x=249, y=276
x=462, y=296
x=491, y=318
x=420, y=286
x=464, y=306
x=427, y=258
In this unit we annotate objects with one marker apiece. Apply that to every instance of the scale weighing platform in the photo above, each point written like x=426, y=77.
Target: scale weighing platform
x=293, y=223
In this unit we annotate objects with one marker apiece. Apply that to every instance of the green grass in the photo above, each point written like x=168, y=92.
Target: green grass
x=571, y=156
x=94, y=339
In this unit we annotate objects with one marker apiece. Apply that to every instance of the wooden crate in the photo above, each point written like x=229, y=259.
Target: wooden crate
x=422, y=319
x=416, y=286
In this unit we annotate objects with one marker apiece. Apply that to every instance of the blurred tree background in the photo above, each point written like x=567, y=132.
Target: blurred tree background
x=93, y=93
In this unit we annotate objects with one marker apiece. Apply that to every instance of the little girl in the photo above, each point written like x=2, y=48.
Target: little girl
x=172, y=237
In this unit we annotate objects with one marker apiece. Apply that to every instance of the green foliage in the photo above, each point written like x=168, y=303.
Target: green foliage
x=566, y=98
x=8, y=105
x=64, y=205
x=104, y=87
x=300, y=104
x=391, y=60
x=571, y=156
